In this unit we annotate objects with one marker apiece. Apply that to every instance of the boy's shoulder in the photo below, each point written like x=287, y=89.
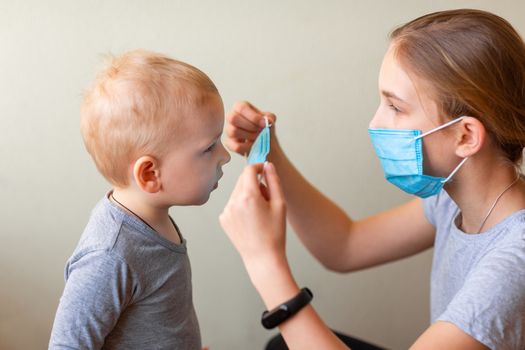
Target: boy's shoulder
x=108, y=232
x=102, y=230
x=112, y=232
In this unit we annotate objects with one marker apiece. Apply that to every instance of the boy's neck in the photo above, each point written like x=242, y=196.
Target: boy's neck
x=157, y=217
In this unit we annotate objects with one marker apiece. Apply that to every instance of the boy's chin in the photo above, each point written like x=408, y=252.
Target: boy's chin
x=201, y=201
x=196, y=201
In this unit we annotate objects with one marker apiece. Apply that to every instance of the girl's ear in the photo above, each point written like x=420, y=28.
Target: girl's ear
x=471, y=136
x=146, y=173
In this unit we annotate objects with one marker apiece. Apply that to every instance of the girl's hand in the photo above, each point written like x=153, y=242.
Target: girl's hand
x=255, y=217
x=243, y=123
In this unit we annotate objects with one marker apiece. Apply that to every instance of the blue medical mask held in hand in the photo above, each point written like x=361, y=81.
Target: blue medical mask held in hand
x=401, y=156
x=261, y=146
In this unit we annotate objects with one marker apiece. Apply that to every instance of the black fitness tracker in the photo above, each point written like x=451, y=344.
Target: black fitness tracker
x=273, y=318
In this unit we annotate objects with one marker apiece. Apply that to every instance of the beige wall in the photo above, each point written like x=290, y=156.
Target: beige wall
x=314, y=63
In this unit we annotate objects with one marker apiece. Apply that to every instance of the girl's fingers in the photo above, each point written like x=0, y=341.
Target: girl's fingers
x=247, y=182
x=239, y=106
x=238, y=146
x=264, y=191
x=248, y=111
x=274, y=184
x=251, y=181
x=241, y=134
x=239, y=120
x=271, y=119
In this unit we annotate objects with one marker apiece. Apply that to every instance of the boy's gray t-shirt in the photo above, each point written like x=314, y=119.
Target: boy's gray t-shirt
x=127, y=287
x=478, y=280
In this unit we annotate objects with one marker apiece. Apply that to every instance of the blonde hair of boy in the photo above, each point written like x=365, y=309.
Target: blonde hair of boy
x=134, y=106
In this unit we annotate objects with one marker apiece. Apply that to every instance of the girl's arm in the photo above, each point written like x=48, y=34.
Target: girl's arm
x=254, y=220
x=338, y=242
x=445, y=335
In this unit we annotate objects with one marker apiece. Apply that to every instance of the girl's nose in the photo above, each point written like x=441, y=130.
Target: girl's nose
x=374, y=122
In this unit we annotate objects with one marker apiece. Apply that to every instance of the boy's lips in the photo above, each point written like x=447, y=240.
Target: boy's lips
x=217, y=183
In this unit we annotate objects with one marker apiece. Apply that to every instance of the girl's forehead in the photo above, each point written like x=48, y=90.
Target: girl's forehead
x=395, y=79
x=396, y=75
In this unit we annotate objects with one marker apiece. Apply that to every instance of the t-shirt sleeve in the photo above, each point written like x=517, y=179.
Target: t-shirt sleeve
x=490, y=306
x=98, y=288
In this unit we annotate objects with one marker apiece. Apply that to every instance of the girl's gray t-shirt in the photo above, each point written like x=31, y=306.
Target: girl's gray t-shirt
x=478, y=280
x=127, y=287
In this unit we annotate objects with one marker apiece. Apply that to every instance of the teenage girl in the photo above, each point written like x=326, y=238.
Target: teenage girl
x=449, y=129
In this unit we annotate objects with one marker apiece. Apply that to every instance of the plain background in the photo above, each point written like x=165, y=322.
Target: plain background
x=313, y=63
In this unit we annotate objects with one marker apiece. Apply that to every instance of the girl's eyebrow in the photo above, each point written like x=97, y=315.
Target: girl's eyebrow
x=390, y=94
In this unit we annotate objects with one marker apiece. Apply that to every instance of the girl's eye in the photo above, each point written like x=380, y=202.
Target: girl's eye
x=394, y=108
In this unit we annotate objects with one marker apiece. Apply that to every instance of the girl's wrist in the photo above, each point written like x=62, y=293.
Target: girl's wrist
x=275, y=149
x=273, y=280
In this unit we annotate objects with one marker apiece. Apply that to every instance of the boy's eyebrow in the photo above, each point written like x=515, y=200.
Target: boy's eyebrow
x=217, y=137
x=390, y=94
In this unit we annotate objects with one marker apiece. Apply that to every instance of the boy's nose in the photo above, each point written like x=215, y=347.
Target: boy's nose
x=226, y=155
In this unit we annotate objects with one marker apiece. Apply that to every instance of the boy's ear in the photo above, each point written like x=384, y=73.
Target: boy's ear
x=146, y=173
x=471, y=136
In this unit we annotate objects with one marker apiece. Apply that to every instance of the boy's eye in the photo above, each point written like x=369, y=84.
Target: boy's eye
x=209, y=149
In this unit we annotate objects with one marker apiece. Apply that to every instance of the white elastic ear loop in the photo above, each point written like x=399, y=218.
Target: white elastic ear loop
x=439, y=128
x=455, y=170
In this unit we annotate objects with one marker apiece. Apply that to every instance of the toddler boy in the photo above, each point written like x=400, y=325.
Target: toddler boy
x=152, y=126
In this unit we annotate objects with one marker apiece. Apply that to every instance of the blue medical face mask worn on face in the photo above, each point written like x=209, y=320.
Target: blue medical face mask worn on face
x=261, y=146
x=401, y=156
